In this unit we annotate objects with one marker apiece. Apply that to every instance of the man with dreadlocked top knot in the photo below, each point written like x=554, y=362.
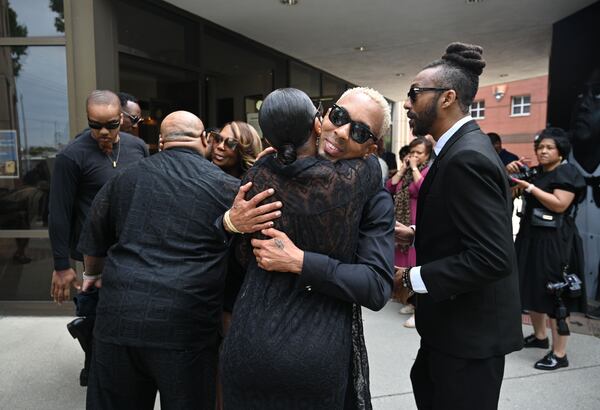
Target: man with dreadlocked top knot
x=465, y=283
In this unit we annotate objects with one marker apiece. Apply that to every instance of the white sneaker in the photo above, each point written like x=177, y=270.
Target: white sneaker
x=410, y=322
x=407, y=310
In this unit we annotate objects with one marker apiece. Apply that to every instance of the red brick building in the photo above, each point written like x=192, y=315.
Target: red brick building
x=515, y=110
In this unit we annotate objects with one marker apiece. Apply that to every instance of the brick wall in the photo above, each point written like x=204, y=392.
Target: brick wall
x=517, y=132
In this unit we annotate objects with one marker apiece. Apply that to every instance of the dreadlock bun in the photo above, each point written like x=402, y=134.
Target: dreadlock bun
x=466, y=56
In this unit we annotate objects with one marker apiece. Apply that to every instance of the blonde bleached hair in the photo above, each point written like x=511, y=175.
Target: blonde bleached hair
x=380, y=100
x=250, y=144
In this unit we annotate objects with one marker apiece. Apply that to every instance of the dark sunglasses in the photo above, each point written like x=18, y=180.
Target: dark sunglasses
x=216, y=138
x=133, y=118
x=412, y=93
x=112, y=125
x=359, y=132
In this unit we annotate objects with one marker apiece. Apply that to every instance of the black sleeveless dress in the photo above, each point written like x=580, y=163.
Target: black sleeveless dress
x=290, y=347
x=542, y=252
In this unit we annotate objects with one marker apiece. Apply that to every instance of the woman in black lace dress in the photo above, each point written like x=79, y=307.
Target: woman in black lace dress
x=290, y=347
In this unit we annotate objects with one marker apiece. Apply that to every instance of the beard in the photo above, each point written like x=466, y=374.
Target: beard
x=106, y=146
x=423, y=122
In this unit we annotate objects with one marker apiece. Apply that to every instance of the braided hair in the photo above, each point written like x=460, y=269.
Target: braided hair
x=461, y=66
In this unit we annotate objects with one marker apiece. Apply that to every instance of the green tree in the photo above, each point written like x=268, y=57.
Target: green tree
x=16, y=30
x=58, y=7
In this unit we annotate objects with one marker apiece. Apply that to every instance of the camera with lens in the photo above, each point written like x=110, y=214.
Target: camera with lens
x=525, y=174
x=569, y=287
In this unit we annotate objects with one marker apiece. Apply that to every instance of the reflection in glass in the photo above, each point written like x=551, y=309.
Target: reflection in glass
x=234, y=72
x=332, y=87
x=33, y=127
x=160, y=89
x=29, y=18
x=151, y=35
x=305, y=78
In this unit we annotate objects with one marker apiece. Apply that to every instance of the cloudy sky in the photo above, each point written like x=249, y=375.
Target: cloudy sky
x=42, y=81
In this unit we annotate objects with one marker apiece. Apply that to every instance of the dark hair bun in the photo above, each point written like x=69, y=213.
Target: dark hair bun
x=467, y=56
x=286, y=154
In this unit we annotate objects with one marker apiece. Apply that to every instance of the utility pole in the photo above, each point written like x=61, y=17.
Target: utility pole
x=24, y=135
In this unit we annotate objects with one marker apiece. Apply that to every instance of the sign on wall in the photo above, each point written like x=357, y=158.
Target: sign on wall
x=9, y=154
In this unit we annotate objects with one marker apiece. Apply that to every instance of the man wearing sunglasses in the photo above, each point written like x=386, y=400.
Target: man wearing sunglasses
x=132, y=114
x=80, y=170
x=465, y=286
x=350, y=129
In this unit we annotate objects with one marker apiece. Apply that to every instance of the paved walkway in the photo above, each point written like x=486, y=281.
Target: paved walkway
x=40, y=363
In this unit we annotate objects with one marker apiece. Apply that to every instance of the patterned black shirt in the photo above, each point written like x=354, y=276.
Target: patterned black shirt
x=166, y=259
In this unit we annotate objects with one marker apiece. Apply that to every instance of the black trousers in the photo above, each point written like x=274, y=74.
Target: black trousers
x=441, y=381
x=123, y=377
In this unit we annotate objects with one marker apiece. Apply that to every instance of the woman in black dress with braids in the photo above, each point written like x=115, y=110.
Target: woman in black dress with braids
x=290, y=347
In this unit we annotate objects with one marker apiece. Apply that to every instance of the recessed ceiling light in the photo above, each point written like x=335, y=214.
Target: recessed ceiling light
x=503, y=75
x=360, y=48
x=473, y=1
x=399, y=74
x=289, y=2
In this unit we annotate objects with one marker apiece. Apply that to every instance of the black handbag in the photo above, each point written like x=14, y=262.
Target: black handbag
x=543, y=218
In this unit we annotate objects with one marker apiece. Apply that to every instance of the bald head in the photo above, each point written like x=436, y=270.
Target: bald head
x=181, y=126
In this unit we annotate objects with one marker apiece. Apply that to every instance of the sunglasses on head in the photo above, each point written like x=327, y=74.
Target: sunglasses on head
x=359, y=132
x=216, y=138
x=414, y=91
x=111, y=125
x=133, y=118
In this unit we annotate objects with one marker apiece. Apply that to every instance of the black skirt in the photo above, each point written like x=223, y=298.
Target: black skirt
x=542, y=254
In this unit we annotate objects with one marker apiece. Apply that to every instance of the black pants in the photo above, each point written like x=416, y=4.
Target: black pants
x=441, y=381
x=123, y=377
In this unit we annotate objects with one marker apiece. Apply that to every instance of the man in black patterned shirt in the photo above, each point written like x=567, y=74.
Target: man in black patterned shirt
x=151, y=235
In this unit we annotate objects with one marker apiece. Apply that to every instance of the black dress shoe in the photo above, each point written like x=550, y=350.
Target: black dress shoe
x=532, y=341
x=551, y=362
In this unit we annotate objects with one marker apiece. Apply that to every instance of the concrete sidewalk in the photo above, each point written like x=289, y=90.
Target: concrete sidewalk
x=40, y=363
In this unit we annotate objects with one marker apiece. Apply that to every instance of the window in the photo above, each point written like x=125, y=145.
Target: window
x=478, y=109
x=521, y=105
x=305, y=78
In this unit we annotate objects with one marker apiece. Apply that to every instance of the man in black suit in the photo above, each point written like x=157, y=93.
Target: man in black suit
x=466, y=283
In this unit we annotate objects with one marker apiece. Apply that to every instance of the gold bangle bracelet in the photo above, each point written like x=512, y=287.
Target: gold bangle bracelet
x=228, y=224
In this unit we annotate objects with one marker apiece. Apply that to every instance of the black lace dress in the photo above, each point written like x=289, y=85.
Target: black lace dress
x=290, y=347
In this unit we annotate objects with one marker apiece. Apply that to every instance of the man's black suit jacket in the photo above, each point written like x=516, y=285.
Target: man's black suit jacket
x=465, y=249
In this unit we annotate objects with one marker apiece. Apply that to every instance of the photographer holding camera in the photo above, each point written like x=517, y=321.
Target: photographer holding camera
x=548, y=245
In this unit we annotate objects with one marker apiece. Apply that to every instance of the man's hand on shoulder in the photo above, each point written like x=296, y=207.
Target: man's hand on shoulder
x=278, y=253
x=248, y=216
x=62, y=280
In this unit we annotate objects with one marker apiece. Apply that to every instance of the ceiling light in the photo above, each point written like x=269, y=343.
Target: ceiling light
x=503, y=75
x=473, y=1
x=360, y=48
x=399, y=74
x=289, y=2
